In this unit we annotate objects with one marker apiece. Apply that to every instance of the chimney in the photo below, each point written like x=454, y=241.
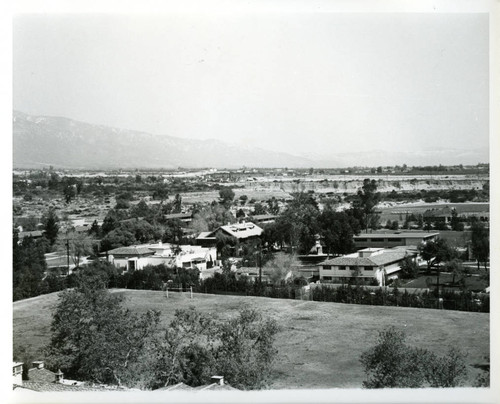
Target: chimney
x=59, y=376
x=217, y=380
x=38, y=364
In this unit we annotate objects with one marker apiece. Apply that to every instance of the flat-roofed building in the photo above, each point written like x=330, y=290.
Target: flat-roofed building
x=389, y=240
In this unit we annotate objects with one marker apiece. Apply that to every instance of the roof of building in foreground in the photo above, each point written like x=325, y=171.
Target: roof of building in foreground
x=182, y=386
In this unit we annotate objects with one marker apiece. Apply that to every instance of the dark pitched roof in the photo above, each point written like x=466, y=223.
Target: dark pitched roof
x=41, y=375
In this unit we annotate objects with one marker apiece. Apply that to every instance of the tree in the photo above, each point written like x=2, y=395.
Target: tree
x=226, y=196
x=210, y=218
x=69, y=192
x=95, y=230
x=177, y=206
x=95, y=339
x=112, y=221
x=393, y=363
x=409, y=268
x=28, y=266
x=435, y=252
x=243, y=199
x=140, y=210
x=173, y=232
x=281, y=268
x=160, y=192
x=259, y=209
x=246, y=352
x=51, y=228
x=117, y=238
x=77, y=245
x=456, y=268
x=273, y=206
x=338, y=229
x=456, y=225
x=480, y=243
x=298, y=224
x=363, y=207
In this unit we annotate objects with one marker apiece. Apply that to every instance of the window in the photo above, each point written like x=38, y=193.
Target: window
x=327, y=278
x=395, y=240
x=342, y=267
x=361, y=240
x=368, y=268
x=327, y=267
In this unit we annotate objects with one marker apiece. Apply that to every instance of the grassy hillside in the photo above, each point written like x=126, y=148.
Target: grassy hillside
x=320, y=343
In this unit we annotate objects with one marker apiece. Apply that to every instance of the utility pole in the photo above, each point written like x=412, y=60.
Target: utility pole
x=438, y=303
x=260, y=267
x=67, y=256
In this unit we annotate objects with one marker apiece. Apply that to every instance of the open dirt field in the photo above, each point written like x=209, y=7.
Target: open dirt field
x=320, y=343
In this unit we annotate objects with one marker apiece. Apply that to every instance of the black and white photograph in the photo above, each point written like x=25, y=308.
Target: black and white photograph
x=251, y=202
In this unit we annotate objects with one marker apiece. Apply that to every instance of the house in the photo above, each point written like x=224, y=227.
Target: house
x=481, y=211
x=130, y=258
x=36, y=234
x=389, y=240
x=443, y=214
x=252, y=273
x=205, y=239
x=264, y=219
x=183, y=256
x=370, y=263
x=241, y=232
x=183, y=217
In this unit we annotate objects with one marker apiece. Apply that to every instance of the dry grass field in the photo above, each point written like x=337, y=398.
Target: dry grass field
x=319, y=344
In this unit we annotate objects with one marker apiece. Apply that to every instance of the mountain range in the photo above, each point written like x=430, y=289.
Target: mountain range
x=40, y=141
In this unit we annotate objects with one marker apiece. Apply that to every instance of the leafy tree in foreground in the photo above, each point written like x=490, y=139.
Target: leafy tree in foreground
x=94, y=338
x=393, y=363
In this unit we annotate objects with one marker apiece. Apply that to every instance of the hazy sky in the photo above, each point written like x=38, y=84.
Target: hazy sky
x=294, y=82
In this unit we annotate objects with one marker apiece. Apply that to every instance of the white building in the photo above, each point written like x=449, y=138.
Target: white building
x=376, y=263
x=185, y=256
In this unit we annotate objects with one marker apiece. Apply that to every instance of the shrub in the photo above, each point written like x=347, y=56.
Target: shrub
x=393, y=363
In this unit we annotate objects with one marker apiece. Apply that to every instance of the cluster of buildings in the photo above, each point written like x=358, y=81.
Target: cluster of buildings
x=378, y=258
